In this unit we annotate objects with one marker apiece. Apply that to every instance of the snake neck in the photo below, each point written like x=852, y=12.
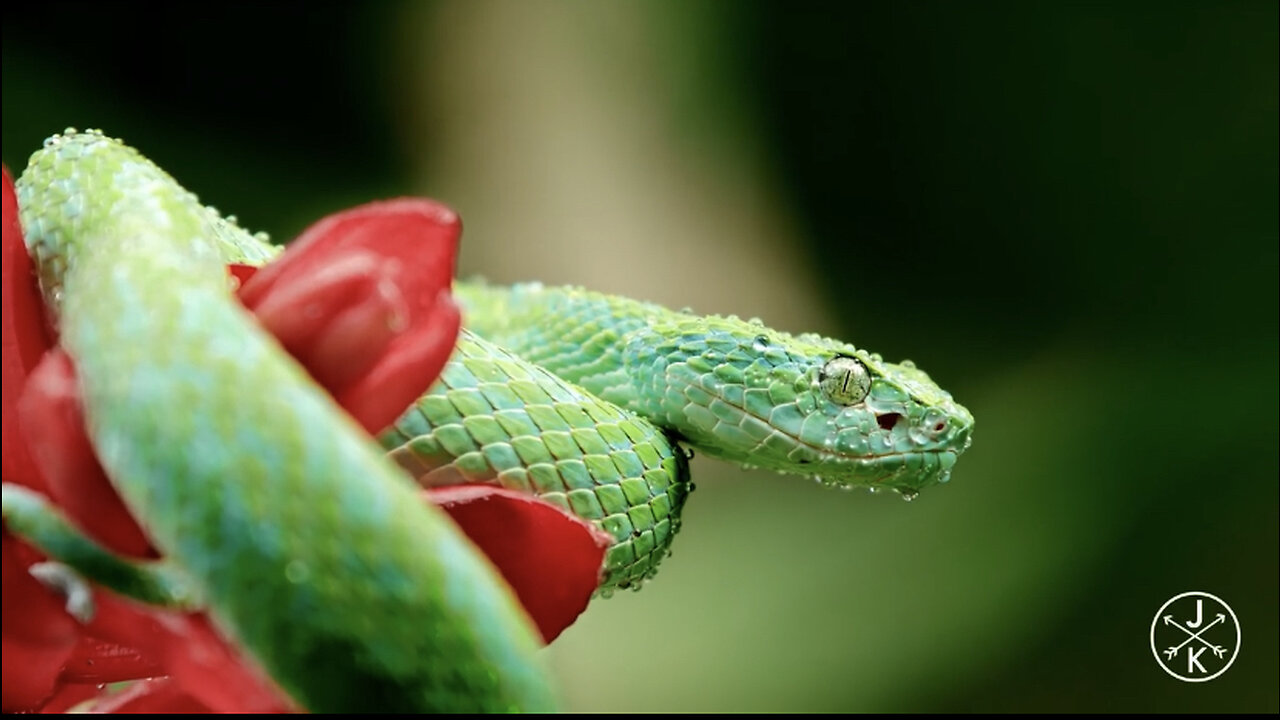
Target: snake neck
x=736, y=389
x=579, y=335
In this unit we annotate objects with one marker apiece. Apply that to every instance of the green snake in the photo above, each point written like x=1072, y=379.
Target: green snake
x=218, y=442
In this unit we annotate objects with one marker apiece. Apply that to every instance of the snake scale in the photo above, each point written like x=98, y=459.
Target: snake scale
x=257, y=488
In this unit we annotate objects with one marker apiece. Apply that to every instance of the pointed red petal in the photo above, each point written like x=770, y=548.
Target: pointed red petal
x=38, y=634
x=100, y=661
x=411, y=364
x=68, y=696
x=30, y=674
x=297, y=312
x=241, y=273
x=422, y=235
x=22, y=334
x=206, y=666
x=550, y=558
x=161, y=695
x=52, y=422
x=361, y=299
x=33, y=614
x=211, y=670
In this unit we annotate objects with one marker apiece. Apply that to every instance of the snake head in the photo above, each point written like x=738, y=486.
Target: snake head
x=804, y=404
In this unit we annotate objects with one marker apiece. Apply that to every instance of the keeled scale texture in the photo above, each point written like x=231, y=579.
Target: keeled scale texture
x=733, y=388
x=493, y=417
x=313, y=549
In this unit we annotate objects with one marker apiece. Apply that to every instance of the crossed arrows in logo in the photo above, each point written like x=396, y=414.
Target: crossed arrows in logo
x=1218, y=650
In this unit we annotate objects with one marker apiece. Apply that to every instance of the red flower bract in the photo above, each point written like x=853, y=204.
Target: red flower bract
x=555, y=581
x=362, y=300
x=23, y=334
x=52, y=424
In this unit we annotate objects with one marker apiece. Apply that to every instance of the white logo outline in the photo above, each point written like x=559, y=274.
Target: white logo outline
x=1193, y=630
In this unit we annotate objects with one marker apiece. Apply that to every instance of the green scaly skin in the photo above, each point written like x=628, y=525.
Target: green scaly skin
x=631, y=379
x=311, y=548
x=733, y=388
x=493, y=417
x=584, y=403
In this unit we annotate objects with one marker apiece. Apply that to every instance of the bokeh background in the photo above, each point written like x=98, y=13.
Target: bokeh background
x=1065, y=212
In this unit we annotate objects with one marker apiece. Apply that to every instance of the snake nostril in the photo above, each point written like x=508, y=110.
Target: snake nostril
x=888, y=420
x=942, y=425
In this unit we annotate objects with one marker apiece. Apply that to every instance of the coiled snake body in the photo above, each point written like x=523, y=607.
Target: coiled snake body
x=219, y=443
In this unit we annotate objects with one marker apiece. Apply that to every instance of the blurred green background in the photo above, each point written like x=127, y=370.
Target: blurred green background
x=1065, y=212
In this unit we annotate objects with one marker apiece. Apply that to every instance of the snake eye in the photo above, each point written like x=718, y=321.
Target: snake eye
x=845, y=380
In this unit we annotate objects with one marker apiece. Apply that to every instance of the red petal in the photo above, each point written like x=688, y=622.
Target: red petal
x=52, y=422
x=296, y=312
x=206, y=666
x=413, y=361
x=68, y=696
x=33, y=614
x=209, y=669
x=361, y=299
x=30, y=673
x=421, y=234
x=22, y=334
x=550, y=558
x=242, y=273
x=162, y=695
x=99, y=661
x=38, y=634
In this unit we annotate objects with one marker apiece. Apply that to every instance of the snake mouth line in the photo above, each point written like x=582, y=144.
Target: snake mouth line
x=828, y=455
x=891, y=467
x=890, y=456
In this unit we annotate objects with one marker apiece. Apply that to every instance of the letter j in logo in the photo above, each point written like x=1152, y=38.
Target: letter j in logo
x=1195, y=637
